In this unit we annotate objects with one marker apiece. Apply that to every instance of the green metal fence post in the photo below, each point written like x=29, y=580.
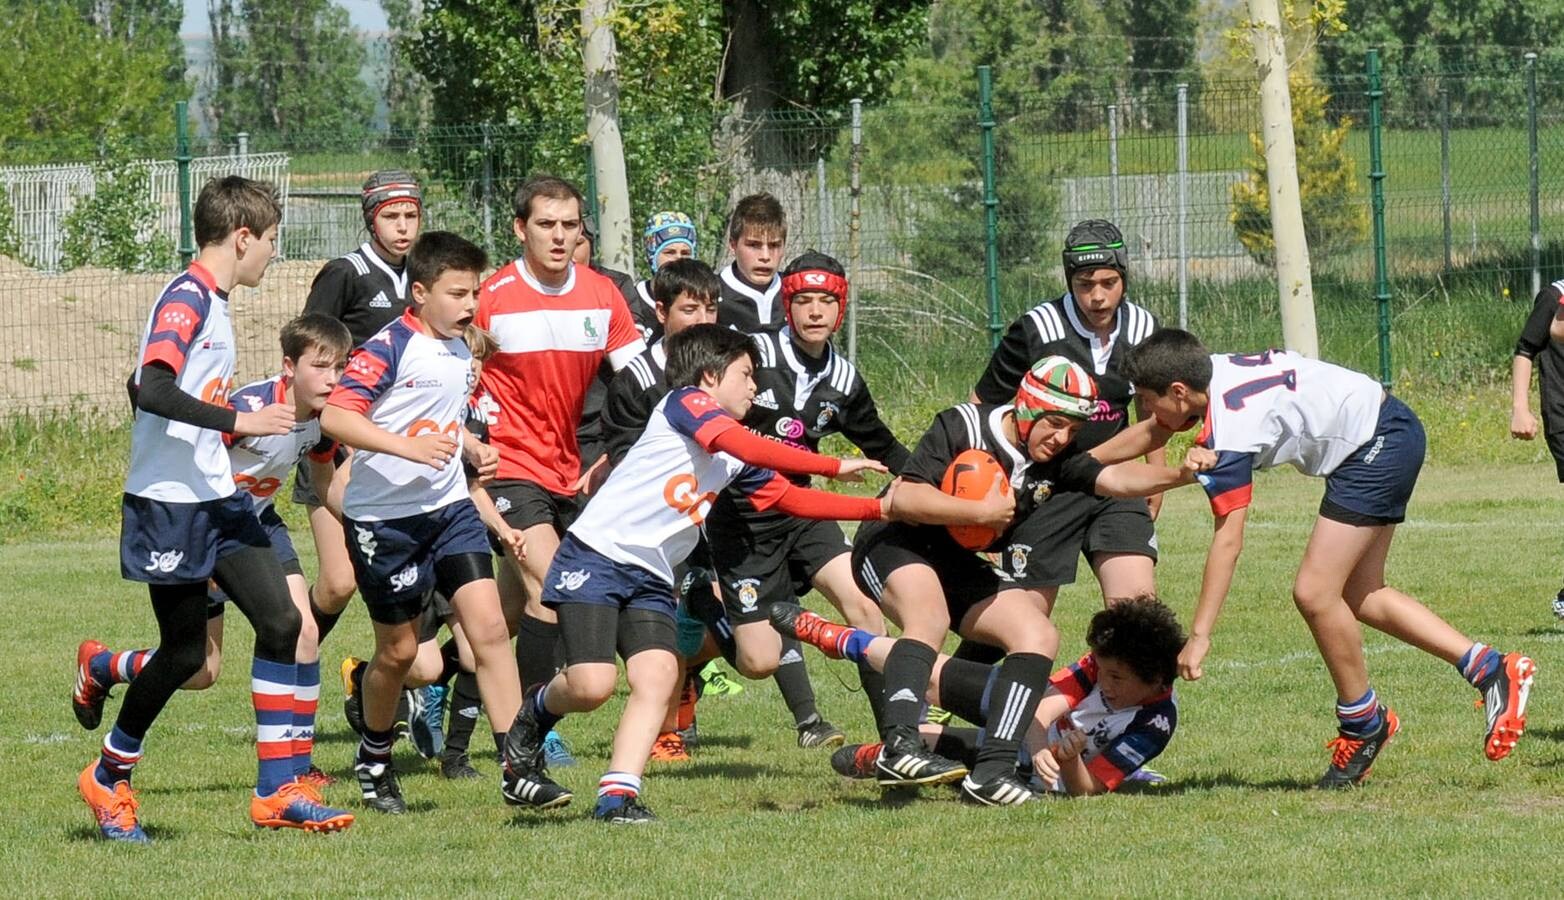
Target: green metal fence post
x=1535, y=185
x=1376, y=95
x=182, y=162
x=990, y=202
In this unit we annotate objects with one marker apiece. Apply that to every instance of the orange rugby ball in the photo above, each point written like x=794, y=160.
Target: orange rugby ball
x=971, y=477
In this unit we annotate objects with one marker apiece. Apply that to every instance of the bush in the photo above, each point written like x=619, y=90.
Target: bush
x=116, y=227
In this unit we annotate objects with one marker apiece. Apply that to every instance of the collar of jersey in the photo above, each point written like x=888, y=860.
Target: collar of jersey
x=1018, y=458
x=643, y=289
x=540, y=287
x=659, y=354
x=730, y=274
x=398, y=279
x=1072, y=312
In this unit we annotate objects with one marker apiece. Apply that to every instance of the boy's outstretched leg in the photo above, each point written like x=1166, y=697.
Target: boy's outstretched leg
x=652, y=674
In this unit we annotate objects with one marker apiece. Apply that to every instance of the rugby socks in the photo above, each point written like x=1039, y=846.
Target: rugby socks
x=452, y=660
x=118, y=668
x=978, y=652
x=1479, y=664
x=324, y=621
x=464, y=704
x=306, y=697
x=375, y=746
x=958, y=743
x=873, y=684
x=792, y=680
x=536, y=641
x=618, y=784
x=1018, y=688
x=1359, y=717
x=964, y=686
x=271, y=690
x=120, y=754
x=907, y=670
x=536, y=704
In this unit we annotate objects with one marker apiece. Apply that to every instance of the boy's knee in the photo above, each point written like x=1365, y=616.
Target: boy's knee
x=277, y=635
x=754, y=665
x=185, y=663
x=333, y=590
x=593, y=687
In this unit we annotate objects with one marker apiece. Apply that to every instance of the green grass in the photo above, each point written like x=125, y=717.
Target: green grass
x=755, y=815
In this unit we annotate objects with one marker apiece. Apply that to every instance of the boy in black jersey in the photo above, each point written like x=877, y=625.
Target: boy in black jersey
x=1093, y=325
x=929, y=584
x=804, y=391
x=751, y=288
x=1540, y=346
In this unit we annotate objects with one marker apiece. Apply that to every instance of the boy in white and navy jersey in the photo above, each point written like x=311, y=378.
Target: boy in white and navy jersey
x=1267, y=409
x=612, y=579
x=410, y=521
x=183, y=522
x=313, y=350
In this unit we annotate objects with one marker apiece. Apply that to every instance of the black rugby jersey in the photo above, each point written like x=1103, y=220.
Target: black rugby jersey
x=361, y=290
x=1547, y=355
x=632, y=395
x=744, y=307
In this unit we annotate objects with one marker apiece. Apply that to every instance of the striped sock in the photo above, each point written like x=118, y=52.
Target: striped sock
x=540, y=711
x=271, y=690
x=1479, y=664
x=1360, y=716
x=375, y=746
x=120, y=754
x=306, y=697
x=118, y=668
x=619, y=783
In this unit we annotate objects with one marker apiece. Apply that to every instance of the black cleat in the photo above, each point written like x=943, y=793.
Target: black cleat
x=856, y=760
x=617, y=809
x=377, y=781
x=820, y=733
x=523, y=751
x=905, y=761
x=1004, y=790
x=456, y=766
x=1352, y=755
x=531, y=787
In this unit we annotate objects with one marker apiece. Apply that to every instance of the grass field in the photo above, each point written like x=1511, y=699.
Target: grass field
x=754, y=815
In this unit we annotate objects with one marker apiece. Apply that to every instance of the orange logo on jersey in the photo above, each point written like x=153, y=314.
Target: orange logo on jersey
x=216, y=390
x=257, y=487
x=682, y=492
x=424, y=426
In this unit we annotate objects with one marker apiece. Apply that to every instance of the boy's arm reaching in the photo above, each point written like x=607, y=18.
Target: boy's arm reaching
x=354, y=429
x=697, y=415
x=1144, y=437
x=776, y=492
x=926, y=504
x=1227, y=542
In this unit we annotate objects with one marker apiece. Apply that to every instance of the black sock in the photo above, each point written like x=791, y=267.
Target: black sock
x=705, y=607
x=452, y=659
x=793, y=680
x=978, y=652
x=465, y=704
x=959, y=744
x=961, y=687
x=907, y=670
x=1018, y=688
x=536, y=643
x=874, y=691
x=499, y=744
x=324, y=621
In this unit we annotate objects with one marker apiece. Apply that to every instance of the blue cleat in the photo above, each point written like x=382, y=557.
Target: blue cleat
x=556, y=752
x=427, y=726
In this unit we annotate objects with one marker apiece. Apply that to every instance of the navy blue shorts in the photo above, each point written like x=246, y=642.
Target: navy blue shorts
x=580, y=574
x=1373, y=485
x=180, y=543
x=282, y=548
x=397, y=562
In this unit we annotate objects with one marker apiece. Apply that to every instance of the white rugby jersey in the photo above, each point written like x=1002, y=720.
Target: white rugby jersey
x=1277, y=407
x=261, y=464
x=1118, y=741
x=651, y=509
x=190, y=332
x=409, y=383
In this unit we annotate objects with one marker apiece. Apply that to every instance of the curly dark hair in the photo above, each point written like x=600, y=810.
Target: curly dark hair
x=1140, y=632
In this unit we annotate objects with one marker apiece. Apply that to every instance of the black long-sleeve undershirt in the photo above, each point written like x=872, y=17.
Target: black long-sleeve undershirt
x=160, y=395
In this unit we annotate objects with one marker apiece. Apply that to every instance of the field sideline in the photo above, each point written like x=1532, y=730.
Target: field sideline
x=755, y=815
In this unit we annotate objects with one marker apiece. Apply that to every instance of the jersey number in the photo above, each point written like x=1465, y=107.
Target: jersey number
x=1235, y=398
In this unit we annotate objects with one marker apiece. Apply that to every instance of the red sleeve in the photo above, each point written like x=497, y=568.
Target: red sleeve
x=750, y=447
x=808, y=503
x=1109, y=774
x=1076, y=681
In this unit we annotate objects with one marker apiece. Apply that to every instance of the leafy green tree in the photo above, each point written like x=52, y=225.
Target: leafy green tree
x=116, y=227
x=407, y=95
x=286, y=67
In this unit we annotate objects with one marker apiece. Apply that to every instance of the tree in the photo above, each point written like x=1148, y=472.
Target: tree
x=286, y=67
x=116, y=226
x=407, y=96
x=1334, y=217
x=66, y=87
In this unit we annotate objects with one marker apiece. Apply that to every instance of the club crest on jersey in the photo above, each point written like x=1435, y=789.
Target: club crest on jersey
x=587, y=328
x=164, y=562
x=254, y=402
x=1042, y=491
x=828, y=411
x=1018, y=557
x=749, y=593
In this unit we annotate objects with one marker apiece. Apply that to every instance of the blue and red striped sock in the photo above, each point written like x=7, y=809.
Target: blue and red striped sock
x=120, y=754
x=109, y=668
x=271, y=690
x=306, y=697
x=1479, y=664
x=1361, y=716
x=618, y=784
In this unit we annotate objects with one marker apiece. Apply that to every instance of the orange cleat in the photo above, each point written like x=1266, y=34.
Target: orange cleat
x=88, y=695
x=670, y=748
x=316, y=778
x=297, y=805
x=114, y=810
x=1505, y=697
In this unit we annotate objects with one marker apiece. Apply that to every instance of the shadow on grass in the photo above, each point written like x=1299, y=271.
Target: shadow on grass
x=1212, y=782
x=726, y=741
x=88, y=834
x=1546, y=734
x=547, y=818
x=713, y=770
x=888, y=798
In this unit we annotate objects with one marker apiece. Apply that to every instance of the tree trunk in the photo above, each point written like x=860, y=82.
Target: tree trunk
x=608, y=153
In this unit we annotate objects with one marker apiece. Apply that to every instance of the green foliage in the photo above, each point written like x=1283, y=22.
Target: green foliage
x=1334, y=215
x=284, y=67
x=116, y=226
x=407, y=95
x=10, y=242
x=66, y=86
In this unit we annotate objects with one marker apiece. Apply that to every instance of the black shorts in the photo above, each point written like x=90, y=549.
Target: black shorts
x=770, y=562
x=524, y=504
x=965, y=578
x=437, y=608
x=1045, y=547
x=1555, y=441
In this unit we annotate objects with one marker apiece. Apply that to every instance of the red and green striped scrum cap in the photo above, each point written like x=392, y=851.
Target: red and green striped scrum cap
x=1054, y=387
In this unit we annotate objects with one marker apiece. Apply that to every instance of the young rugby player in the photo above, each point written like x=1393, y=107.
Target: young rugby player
x=668, y=236
x=805, y=391
x=407, y=506
x=930, y=584
x=751, y=287
x=1261, y=410
x=1541, y=346
x=1100, y=721
x=612, y=579
x=183, y=521
x=314, y=348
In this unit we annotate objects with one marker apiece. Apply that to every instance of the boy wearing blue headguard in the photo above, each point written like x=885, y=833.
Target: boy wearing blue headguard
x=668, y=236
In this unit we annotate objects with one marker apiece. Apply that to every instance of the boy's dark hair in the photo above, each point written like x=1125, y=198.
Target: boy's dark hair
x=228, y=204
x=762, y=212
x=313, y=330
x=685, y=276
x=705, y=350
x=437, y=252
x=1140, y=632
x=547, y=186
x=814, y=259
x=1169, y=355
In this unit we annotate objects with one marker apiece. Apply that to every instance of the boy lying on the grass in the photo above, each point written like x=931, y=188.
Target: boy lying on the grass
x=1102, y=718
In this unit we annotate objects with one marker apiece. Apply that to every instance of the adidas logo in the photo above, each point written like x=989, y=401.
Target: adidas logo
x=904, y=695
x=380, y=301
x=766, y=398
x=790, y=657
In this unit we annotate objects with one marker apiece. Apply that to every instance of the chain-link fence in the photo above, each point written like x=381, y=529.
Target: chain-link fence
x=900, y=196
